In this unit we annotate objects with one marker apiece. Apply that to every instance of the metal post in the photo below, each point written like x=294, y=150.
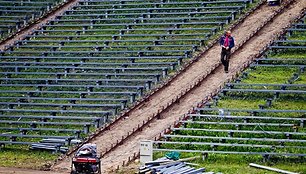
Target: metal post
x=271, y=169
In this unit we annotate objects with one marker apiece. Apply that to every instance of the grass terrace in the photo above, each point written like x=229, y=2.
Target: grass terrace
x=74, y=74
x=15, y=14
x=257, y=118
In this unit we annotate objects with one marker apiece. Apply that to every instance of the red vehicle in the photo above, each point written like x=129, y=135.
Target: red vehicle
x=86, y=160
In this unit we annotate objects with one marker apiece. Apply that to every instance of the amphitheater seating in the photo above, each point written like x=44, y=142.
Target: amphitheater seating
x=13, y=137
x=288, y=44
x=75, y=132
x=257, y=135
x=262, y=112
x=264, y=91
x=16, y=14
x=75, y=73
x=262, y=85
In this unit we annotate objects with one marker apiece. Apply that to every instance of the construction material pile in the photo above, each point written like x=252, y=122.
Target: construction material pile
x=167, y=166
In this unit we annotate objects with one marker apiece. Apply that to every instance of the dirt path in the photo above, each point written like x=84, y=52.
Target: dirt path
x=198, y=69
x=19, y=35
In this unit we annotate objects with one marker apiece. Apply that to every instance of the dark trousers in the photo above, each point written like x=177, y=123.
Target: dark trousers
x=225, y=56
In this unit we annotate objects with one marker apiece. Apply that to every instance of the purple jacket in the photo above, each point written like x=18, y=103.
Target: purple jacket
x=231, y=41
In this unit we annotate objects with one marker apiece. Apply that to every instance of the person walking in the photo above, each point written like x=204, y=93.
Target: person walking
x=227, y=43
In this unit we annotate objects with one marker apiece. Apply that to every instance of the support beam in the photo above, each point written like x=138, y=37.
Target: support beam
x=271, y=169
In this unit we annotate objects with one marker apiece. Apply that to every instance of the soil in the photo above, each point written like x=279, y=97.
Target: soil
x=194, y=72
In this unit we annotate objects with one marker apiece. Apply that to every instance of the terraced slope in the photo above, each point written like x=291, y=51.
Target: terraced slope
x=260, y=113
x=120, y=141
x=268, y=10
x=75, y=73
x=16, y=14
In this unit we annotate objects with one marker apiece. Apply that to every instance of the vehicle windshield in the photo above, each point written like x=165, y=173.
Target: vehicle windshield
x=87, y=150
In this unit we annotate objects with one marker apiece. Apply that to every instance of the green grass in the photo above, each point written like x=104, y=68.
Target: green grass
x=242, y=167
x=269, y=75
x=243, y=103
x=292, y=105
x=236, y=164
x=21, y=157
x=14, y=156
x=233, y=164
